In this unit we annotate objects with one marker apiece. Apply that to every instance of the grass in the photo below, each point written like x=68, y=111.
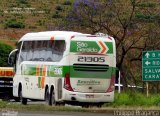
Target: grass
x=134, y=99
x=123, y=101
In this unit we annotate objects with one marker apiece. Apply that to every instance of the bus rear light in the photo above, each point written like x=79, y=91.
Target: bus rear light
x=67, y=83
x=111, y=86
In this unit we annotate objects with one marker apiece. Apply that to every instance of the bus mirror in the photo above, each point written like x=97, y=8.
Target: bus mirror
x=12, y=57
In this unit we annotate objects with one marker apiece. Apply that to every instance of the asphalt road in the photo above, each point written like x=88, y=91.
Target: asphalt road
x=50, y=113
x=55, y=113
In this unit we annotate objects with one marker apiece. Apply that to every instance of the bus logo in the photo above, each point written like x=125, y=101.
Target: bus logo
x=92, y=47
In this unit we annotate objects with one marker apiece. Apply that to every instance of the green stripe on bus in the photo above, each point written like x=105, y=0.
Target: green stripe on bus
x=60, y=71
x=29, y=69
x=88, y=74
x=52, y=71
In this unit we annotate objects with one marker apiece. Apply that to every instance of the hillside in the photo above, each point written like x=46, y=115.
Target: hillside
x=18, y=17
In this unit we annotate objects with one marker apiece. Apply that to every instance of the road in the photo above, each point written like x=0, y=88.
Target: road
x=55, y=113
x=49, y=113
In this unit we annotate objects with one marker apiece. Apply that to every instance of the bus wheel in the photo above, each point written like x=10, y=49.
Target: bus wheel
x=61, y=104
x=52, y=100
x=99, y=105
x=47, y=97
x=85, y=106
x=23, y=100
x=17, y=99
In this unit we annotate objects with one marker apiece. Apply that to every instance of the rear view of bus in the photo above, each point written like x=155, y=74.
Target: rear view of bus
x=90, y=76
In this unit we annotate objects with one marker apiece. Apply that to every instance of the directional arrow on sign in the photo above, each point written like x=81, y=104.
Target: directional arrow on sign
x=103, y=47
x=147, y=55
x=147, y=63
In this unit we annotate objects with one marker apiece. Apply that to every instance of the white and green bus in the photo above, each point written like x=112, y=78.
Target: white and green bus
x=65, y=67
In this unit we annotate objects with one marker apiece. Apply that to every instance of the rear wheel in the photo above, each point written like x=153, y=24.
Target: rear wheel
x=52, y=100
x=99, y=105
x=47, y=97
x=85, y=106
x=23, y=100
x=17, y=99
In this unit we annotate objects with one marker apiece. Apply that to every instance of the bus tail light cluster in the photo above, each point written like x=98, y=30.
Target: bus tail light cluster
x=67, y=83
x=111, y=86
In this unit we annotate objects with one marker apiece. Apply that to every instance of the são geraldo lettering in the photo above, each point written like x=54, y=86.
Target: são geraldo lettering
x=83, y=47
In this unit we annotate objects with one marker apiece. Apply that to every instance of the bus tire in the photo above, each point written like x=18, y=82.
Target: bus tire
x=99, y=105
x=23, y=100
x=85, y=106
x=47, y=96
x=17, y=99
x=52, y=100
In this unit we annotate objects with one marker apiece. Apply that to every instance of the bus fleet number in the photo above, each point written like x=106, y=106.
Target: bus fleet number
x=91, y=59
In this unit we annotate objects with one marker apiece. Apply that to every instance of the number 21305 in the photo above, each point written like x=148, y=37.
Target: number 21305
x=91, y=59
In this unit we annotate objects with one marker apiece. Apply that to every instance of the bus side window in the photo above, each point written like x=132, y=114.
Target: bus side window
x=23, y=55
x=36, y=51
x=58, y=50
x=30, y=50
x=50, y=46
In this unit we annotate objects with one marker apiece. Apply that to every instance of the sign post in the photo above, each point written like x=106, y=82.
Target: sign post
x=150, y=67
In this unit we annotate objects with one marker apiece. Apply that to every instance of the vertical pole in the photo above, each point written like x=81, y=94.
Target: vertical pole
x=119, y=82
x=147, y=89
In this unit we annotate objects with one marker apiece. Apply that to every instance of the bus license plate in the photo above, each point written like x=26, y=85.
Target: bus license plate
x=89, y=96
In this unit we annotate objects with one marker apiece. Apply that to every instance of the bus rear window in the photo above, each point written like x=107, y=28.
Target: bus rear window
x=42, y=50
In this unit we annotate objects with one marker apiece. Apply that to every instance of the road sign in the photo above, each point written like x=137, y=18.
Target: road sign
x=151, y=66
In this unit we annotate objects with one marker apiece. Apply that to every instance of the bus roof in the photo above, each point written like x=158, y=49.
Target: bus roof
x=47, y=35
x=51, y=35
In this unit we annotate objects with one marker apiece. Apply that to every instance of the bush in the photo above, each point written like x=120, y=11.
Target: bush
x=67, y=3
x=22, y=1
x=56, y=15
x=14, y=24
x=41, y=22
x=152, y=5
x=59, y=8
x=4, y=53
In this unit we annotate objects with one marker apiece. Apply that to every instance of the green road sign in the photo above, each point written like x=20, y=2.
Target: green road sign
x=151, y=66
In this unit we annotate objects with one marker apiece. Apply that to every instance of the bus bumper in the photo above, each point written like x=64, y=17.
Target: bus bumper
x=88, y=97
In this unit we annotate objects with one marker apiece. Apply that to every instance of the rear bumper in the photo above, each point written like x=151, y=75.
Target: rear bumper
x=70, y=96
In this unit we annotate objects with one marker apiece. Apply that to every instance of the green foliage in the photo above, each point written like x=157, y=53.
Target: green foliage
x=13, y=23
x=4, y=52
x=22, y=1
x=56, y=15
x=147, y=17
x=67, y=2
x=41, y=22
x=135, y=99
x=151, y=5
x=59, y=8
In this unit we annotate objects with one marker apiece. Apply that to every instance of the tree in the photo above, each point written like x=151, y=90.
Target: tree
x=130, y=22
x=4, y=53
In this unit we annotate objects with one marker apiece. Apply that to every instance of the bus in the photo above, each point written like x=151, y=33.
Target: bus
x=65, y=67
